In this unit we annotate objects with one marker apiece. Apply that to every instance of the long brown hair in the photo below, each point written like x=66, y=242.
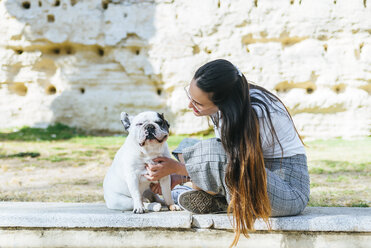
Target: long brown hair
x=246, y=176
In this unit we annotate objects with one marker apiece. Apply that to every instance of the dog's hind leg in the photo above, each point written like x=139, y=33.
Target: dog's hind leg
x=151, y=201
x=152, y=206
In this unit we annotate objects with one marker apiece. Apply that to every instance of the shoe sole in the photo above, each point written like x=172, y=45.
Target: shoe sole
x=200, y=202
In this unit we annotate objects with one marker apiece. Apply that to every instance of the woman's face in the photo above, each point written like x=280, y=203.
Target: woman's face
x=199, y=101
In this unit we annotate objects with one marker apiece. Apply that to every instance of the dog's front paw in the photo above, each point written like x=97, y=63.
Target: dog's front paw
x=174, y=207
x=138, y=209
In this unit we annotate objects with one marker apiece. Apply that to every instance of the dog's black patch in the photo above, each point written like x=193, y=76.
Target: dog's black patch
x=125, y=120
x=163, y=123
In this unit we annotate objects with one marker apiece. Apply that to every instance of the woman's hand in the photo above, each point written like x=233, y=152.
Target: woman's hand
x=165, y=166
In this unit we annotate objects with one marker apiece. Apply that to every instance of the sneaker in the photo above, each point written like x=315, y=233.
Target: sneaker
x=200, y=202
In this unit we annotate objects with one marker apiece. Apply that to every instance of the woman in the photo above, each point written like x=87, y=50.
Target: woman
x=257, y=162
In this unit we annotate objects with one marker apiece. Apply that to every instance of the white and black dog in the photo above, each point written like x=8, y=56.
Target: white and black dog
x=124, y=183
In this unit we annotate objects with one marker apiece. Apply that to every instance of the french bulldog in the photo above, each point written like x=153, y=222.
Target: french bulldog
x=124, y=183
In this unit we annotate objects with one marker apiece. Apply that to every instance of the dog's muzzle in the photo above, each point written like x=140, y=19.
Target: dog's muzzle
x=150, y=132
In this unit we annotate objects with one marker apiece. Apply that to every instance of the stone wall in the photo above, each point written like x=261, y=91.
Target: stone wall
x=82, y=62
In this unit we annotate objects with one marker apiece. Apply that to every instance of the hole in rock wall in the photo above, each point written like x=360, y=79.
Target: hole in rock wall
x=51, y=90
x=19, y=51
x=73, y=2
x=135, y=50
x=40, y=4
x=26, y=5
x=18, y=88
x=309, y=90
x=56, y=50
x=339, y=88
x=105, y=4
x=325, y=46
x=285, y=86
x=57, y=3
x=69, y=50
x=82, y=90
x=159, y=92
x=100, y=51
x=50, y=18
x=208, y=51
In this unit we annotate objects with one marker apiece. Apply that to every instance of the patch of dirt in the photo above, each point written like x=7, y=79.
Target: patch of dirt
x=65, y=174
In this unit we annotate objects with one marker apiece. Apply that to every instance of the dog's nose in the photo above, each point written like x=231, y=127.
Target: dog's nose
x=150, y=128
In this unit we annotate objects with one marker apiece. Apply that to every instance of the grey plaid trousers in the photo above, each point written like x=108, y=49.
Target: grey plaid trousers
x=287, y=178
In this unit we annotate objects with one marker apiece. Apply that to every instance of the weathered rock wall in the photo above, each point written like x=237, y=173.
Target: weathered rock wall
x=82, y=62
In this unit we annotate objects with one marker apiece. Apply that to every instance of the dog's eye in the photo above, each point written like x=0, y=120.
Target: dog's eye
x=139, y=124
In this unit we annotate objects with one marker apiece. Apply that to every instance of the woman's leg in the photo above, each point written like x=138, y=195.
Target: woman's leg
x=177, y=190
x=287, y=178
x=206, y=162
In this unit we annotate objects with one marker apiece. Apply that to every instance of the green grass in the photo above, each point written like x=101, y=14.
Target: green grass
x=21, y=155
x=57, y=131
x=334, y=151
x=340, y=170
x=331, y=167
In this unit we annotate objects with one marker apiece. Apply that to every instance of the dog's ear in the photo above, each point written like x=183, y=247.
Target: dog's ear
x=163, y=118
x=125, y=119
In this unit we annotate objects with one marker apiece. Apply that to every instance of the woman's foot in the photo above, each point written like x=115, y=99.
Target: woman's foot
x=200, y=202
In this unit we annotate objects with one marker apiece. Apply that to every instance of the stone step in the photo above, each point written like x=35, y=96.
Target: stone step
x=35, y=224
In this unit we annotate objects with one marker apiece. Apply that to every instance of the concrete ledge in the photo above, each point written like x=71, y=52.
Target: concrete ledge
x=313, y=219
x=32, y=224
x=85, y=215
x=96, y=215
